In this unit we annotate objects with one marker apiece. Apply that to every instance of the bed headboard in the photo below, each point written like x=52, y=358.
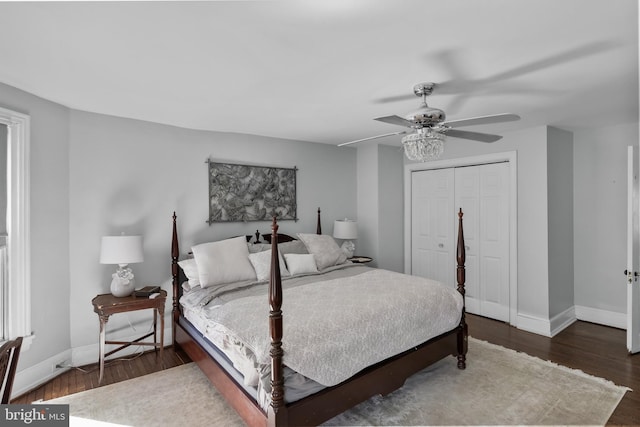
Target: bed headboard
x=178, y=276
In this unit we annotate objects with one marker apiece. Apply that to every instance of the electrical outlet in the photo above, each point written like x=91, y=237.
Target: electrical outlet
x=66, y=363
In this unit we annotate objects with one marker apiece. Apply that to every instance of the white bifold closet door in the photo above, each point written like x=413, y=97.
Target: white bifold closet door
x=482, y=192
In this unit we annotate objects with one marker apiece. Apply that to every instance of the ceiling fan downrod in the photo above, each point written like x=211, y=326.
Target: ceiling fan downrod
x=425, y=116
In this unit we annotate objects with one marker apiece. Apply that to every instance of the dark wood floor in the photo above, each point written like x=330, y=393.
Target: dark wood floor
x=594, y=349
x=86, y=377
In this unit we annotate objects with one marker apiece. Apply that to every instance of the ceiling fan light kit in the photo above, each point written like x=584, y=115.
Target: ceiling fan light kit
x=431, y=128
x=424, y=145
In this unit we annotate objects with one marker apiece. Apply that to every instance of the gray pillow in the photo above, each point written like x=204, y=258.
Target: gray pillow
x=325, y=250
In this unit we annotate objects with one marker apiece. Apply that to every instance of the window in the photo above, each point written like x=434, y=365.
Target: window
x=16, y=295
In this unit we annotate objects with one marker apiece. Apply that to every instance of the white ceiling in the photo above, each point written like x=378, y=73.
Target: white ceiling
x=317, y=70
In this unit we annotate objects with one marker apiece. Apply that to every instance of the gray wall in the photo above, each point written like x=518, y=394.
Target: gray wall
x=130, y=176
x=93, y=175
x=391, y=208
x=380, y=206
x=368, y=243
x=50, y=288
x=600, y=220
x=560, y=208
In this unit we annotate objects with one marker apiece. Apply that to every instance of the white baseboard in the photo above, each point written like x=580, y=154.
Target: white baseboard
x=33, y=376
x=547, y=327
x=536, y=325
x=29, y=378
x=561, y=321
x=550, y=328
x=602, y=317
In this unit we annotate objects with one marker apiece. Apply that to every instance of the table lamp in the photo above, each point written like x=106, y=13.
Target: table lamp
x=121, y=250
x=347, y=230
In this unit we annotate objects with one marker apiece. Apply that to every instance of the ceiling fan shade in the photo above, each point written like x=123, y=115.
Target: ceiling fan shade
x=423, y=145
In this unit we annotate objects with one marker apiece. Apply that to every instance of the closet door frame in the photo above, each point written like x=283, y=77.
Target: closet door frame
x=508, y=156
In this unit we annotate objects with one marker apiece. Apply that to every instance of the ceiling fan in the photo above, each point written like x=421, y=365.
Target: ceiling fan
x=430, y=128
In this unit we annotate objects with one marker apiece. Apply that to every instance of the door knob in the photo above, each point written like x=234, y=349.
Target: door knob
x=631, y=279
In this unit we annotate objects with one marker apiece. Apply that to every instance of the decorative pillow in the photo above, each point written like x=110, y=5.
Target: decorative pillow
x=261, y=262
x=190, y=269
x=292, y=247
x=258, y=247
x=225, y=261
x=325, y=249
x=301, y=263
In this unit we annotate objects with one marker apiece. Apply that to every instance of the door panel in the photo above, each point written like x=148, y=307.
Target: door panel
x=494, y=239
x=483, y=194
x=432, y=252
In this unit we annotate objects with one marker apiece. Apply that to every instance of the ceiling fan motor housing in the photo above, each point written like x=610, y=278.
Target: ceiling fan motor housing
x=426, y=116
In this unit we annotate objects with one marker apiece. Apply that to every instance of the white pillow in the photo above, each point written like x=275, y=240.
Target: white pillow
x=301, y=263
x=190, y=269
x=261, y=262
x=325, y=249
x=225, y=261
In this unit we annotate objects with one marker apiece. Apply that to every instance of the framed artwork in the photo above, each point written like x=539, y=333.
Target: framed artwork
x=240, y=193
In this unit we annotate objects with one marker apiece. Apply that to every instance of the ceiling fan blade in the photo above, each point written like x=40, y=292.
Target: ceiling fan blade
x=553, y=60
x=395, y=120
x=372, y=137
x=476, y=136
x=483, y=120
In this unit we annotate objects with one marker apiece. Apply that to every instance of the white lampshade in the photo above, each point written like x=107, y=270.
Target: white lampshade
x=345, y=229
x=121, y=250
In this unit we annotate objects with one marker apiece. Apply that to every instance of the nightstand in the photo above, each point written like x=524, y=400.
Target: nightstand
x=360, y=259
x=106, y=304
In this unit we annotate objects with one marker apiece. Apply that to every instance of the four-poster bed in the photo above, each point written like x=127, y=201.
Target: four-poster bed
x=276, y=403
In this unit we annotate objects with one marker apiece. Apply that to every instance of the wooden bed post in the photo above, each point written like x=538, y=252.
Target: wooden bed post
x=277, y=413
x=461, y=277
x=319, y=225
x=175, y=253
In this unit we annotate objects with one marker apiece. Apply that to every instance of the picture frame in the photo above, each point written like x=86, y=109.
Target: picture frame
x=242, y=193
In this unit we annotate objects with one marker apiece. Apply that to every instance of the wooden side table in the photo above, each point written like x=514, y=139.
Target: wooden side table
x=360, y=259
x=106, y=304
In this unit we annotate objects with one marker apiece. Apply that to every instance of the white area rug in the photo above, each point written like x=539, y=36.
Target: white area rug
x=499, y=387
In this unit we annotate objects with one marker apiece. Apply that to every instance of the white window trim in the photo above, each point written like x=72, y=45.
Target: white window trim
x=18, y=303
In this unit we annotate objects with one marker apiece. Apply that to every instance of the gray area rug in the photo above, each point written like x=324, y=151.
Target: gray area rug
x=499, y=387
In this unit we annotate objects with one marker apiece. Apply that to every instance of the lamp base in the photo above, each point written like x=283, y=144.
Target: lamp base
x=348, y=248
x=123, y=283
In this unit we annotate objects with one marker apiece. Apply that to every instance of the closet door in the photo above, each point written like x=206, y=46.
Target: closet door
x=432, y=225
x=483, y=194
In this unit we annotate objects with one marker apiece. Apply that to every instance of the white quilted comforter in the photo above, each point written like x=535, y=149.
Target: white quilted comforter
x=335, y=328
